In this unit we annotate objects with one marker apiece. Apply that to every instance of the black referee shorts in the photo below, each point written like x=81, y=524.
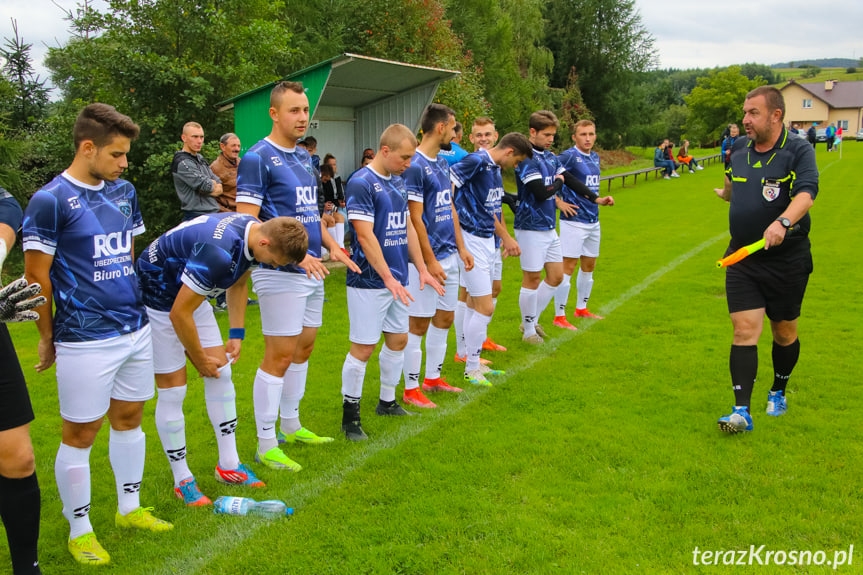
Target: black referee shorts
x=777, y=284
x=15, y=408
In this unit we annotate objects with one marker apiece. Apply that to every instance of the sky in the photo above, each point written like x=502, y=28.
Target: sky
x=688, y=33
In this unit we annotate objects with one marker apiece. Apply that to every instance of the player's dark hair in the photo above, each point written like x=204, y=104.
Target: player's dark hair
x=327, y=158
x=308, y=142
x=288, y=236
x=772, y=96
x=226, y=137
x=327, y=170
x=433, y=115
x=518, y=143
x=280, y=88
x=99, y=123
x=542, y=119
x=458, y=127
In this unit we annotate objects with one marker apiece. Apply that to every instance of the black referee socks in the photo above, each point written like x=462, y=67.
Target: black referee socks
x=19, y=509
x=744, y=369
x=784, y=360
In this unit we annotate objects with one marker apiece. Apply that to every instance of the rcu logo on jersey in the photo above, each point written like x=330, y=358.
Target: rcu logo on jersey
x=113, y=244
x=443, y=198
x=397, y=221
x=307, y=195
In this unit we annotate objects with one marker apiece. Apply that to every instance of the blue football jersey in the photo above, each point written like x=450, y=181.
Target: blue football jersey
x=530, y=214
x=454, y=155
x=282, y=182
x=208, y=254
x=371, y=197
x=585, y=167
x=479, y=188
x=428, y=182
x=89, y=231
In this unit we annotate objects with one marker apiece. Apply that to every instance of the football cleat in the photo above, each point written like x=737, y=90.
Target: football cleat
x=190, y=494
x=391, y=408
x=539, y=331
x=561, y=321
x=351, y=426
x=476, y=377
x=489, y=345
x=243, y=475
x=276, y=459
x=141, y=518
x=739, y=420
x=416, y=397
x=302, y=435
x=86, y=549
x=485, y=370
x=439, y=384
x=586, y=313
x=463, y=358
x=777, y=403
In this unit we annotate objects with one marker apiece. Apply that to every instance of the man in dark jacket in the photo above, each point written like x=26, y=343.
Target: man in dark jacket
x=196, y=184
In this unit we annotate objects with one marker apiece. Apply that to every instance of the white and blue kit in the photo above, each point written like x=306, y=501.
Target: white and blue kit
x=479, y=189
x=580, y=233
x=428, y=183
x=381, y=201
x=282, y=182
x=535, y=221
x=101, y=331
x=208, y=254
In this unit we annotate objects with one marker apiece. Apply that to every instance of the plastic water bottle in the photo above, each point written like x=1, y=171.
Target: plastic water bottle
x=271, y=509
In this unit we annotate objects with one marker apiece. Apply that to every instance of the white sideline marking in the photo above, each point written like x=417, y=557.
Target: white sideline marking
x=200, y=555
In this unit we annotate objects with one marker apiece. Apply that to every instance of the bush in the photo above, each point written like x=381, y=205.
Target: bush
x=850, y=70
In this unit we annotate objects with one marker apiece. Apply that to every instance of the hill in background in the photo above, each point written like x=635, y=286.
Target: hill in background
x=820, y=62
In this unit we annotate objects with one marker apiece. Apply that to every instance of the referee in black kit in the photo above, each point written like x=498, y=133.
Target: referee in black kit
x=771, y=183
x=19, y=489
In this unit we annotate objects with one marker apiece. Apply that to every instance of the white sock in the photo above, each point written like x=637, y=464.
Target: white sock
x=561, y=296
x=583, y=287
x=340, y=233
x=413, y=361
x=127, y=451
x=266, y=392
x=221, y=398
x=292, y=393
x=171, y=425
x=353, y=374
x=333, y=233
x=544, y=295
x=391, y=363
x=527, y=306
x=476, y=332
x=435, y=351
x=72, y=471
x=460, y=311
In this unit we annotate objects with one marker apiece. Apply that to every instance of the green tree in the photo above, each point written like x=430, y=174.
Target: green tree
x=606, y=42
x=166, y=62
x=716, y=101
x=29, y=99
x=754, y=71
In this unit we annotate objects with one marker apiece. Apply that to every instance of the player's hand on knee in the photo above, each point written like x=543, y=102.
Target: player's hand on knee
x=16, y=302
x=210, y=366
x=426, y=279
x=398, y=290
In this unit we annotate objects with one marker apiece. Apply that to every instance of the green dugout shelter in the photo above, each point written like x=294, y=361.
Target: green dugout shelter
x=352, y=99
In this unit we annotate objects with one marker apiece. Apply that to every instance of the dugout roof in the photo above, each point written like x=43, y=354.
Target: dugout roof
x=369, y=93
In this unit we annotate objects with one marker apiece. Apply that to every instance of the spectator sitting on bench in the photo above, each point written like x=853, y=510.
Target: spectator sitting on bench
x=684, y=157
x=660, y=160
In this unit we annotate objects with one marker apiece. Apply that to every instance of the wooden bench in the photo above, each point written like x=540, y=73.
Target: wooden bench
x=706, y=160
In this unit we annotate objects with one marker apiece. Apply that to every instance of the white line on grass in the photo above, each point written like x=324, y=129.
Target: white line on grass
x=196, y=559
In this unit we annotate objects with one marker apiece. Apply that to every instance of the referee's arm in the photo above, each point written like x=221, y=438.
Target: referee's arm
x=800, y=204
x=724, y=193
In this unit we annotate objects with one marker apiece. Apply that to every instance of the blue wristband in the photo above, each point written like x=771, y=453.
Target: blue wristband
x=237, y=333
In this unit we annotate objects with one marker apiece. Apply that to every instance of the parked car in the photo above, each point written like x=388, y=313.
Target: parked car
x=821, y=135
x=860, y=134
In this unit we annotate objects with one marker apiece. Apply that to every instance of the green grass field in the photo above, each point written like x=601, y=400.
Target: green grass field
x=596, y=453
x=796, y=74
